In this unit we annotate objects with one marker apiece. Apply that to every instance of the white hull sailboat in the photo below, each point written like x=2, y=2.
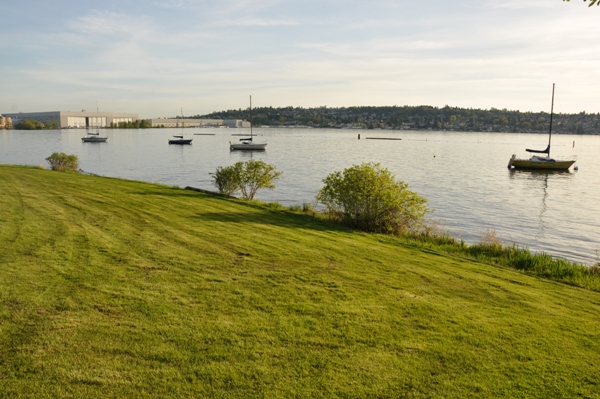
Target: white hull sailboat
x=95, y=137
x=247, y=143
x=539, y=162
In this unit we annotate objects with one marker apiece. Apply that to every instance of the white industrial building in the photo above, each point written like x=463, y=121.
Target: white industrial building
x=84, y=119
x=68, y=119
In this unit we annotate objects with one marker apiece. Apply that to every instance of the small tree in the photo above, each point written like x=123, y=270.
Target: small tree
x=29, y=124
x=226, y=180
x=247, y=177
x=52, y=125
x=367, y=197
x=62, y=161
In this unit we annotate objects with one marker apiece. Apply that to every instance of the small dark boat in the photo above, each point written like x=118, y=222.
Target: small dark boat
x=180, y=139
x=94, y=139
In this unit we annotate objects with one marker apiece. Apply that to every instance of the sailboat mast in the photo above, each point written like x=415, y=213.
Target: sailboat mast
x=250, y=115
x=551, y=115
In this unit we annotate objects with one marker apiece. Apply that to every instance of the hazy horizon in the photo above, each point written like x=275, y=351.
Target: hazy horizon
x=154, y=58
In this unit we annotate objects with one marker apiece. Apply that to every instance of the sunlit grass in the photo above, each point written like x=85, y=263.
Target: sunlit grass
x=113, y=288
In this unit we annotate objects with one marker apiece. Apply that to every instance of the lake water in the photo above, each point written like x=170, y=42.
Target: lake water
x=463, y=175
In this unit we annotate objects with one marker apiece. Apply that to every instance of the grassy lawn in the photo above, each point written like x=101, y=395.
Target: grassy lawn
x=113, y=288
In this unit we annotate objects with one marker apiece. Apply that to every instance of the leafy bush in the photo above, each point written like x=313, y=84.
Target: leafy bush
x=29, y=124
x=369, y=198
x=307, y=208
x=245, y=177
x=62, y=161
x=226, y=180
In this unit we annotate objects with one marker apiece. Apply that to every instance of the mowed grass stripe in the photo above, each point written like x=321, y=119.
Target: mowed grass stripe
x=114, y=288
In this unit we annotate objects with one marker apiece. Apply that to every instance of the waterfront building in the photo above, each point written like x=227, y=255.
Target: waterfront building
x=68, y=119
x=85, y=119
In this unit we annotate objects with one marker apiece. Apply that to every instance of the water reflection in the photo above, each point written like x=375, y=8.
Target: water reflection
x=536, y=183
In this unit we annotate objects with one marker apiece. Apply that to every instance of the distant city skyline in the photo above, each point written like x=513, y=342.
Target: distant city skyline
x=154, y=58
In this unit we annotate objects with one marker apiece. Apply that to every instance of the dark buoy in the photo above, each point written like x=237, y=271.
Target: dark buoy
x=576, y=168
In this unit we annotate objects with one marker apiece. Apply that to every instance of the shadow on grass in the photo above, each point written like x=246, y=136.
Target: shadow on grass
x=174, y=191
x=272, y=218
x=259, y=213
x=166, y=192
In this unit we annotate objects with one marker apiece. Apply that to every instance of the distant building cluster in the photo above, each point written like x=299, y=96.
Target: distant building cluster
x=73, y=120
x=85, y=119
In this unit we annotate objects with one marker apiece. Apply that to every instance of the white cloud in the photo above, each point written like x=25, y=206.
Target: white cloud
x=99, y=24
x=205, y=55
x=258, y=22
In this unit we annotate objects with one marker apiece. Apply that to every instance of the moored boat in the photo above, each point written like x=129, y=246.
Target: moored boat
x=180, y=139
x=246, y=144
x=95, y=137
x=538, y=162
x=92, y=138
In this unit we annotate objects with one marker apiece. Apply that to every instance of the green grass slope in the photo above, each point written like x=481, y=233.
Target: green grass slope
x=113, y=288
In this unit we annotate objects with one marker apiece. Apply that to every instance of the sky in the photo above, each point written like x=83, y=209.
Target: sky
x=158, y=58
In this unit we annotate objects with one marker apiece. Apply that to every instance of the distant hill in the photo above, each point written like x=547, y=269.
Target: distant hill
x=417, y=118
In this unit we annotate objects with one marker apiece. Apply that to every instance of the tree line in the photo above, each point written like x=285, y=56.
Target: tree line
x=29, y=124
x=416, y=118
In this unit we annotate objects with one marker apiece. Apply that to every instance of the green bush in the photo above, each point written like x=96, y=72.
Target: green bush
x=307, y=208
x=369, y=198
x=62, y=161
x=53, y=124
x=29, y=124
x=245, y=177
x=226, y=179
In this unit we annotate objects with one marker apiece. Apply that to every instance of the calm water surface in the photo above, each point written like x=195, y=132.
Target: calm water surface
x=463, y=175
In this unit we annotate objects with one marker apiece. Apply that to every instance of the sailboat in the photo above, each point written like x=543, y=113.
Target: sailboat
x=542, y=162
x=247, y=143
x=95, y=137
x=180, y=139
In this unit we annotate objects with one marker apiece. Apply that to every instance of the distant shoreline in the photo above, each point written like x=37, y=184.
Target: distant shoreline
x=416, y=118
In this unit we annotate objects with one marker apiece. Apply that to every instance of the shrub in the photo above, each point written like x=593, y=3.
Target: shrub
x=369, y=198
x=226, y=180
x=246, y=177
x=307, y=208
x=595, y=269
x=29, y=124
x=62, y=161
